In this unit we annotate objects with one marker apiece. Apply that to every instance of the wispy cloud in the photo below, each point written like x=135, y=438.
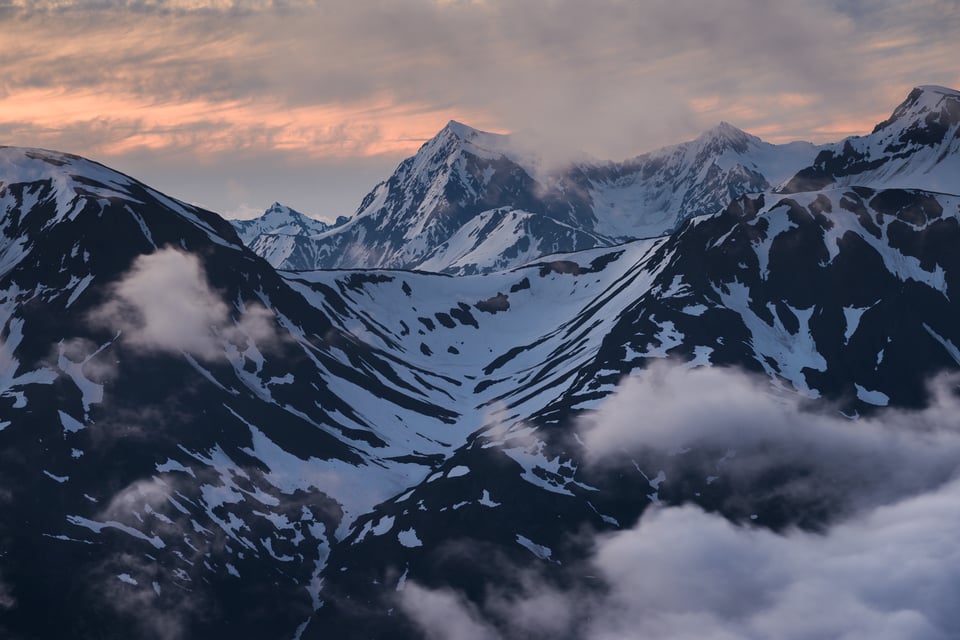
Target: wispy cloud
x=7, y=601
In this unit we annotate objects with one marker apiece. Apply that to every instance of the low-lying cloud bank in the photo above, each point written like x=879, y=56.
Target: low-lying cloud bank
x=888, y=569
x=165, y=304
x=734, y=426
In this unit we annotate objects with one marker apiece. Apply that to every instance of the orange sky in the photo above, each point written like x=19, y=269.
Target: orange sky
x=206, y=127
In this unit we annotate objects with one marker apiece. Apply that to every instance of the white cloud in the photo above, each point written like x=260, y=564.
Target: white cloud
x=153, y=493
x=892, y=573
x=443, y=616
x=153, y=616
x=7, y=601
x=741, y=428
x=164, y=303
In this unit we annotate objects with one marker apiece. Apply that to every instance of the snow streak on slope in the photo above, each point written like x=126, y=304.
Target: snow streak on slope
x=504, y=238
x=487, y=335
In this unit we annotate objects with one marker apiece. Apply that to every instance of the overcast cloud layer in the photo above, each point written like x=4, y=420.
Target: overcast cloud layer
x=241, y=92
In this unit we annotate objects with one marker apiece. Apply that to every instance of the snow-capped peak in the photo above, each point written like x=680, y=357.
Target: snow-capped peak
x=278, y=219
x=461, y=130
x=728, y=135
x=935, y=88
x=25, y=165
x=281, y=213
x=917, y=147
x=457, y=137
x=926, y=105
x=76, y=186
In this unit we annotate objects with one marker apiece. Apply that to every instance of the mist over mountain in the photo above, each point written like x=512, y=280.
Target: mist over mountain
x=708, y=390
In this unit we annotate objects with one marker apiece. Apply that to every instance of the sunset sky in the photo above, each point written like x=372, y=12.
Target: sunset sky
x=233, y=104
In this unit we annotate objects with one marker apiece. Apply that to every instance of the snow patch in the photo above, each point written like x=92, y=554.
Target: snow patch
x=409, y=539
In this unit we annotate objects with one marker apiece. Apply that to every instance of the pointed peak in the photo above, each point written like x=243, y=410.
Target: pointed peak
x=923, y=101
x=277, y=210
x=724, y=131
x=460, y=130
x=727, y=127
x=278, y=213
x=457, y=137
x=725, y=135
x=457, y=130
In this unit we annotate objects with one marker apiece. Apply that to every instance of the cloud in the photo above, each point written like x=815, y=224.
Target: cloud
x=890, y=573
x=165, y=304
x=154, y=493
x=685, y=573
x=166, y=615
x=7, y=601
x=443, y=615
x=726, y=423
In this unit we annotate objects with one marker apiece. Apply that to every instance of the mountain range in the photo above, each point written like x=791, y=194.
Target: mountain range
x=475, y=202
x=283, y=429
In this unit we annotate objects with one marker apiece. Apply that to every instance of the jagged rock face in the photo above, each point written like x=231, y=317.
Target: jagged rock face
x=653, y=194
x=281, y=220
x=193, y=444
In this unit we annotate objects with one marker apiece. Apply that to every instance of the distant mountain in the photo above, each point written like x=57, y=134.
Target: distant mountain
x=652, y=194
x=457, y=179
x=280, y=220
x=195, y=444
x=282, y=236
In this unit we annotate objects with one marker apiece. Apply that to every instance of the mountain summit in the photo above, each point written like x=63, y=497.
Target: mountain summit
x=917, y=146
x=283, y=236
x=280, y=220
x=931, y=105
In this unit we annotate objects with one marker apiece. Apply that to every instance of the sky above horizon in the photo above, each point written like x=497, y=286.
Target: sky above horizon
x=235, y=104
